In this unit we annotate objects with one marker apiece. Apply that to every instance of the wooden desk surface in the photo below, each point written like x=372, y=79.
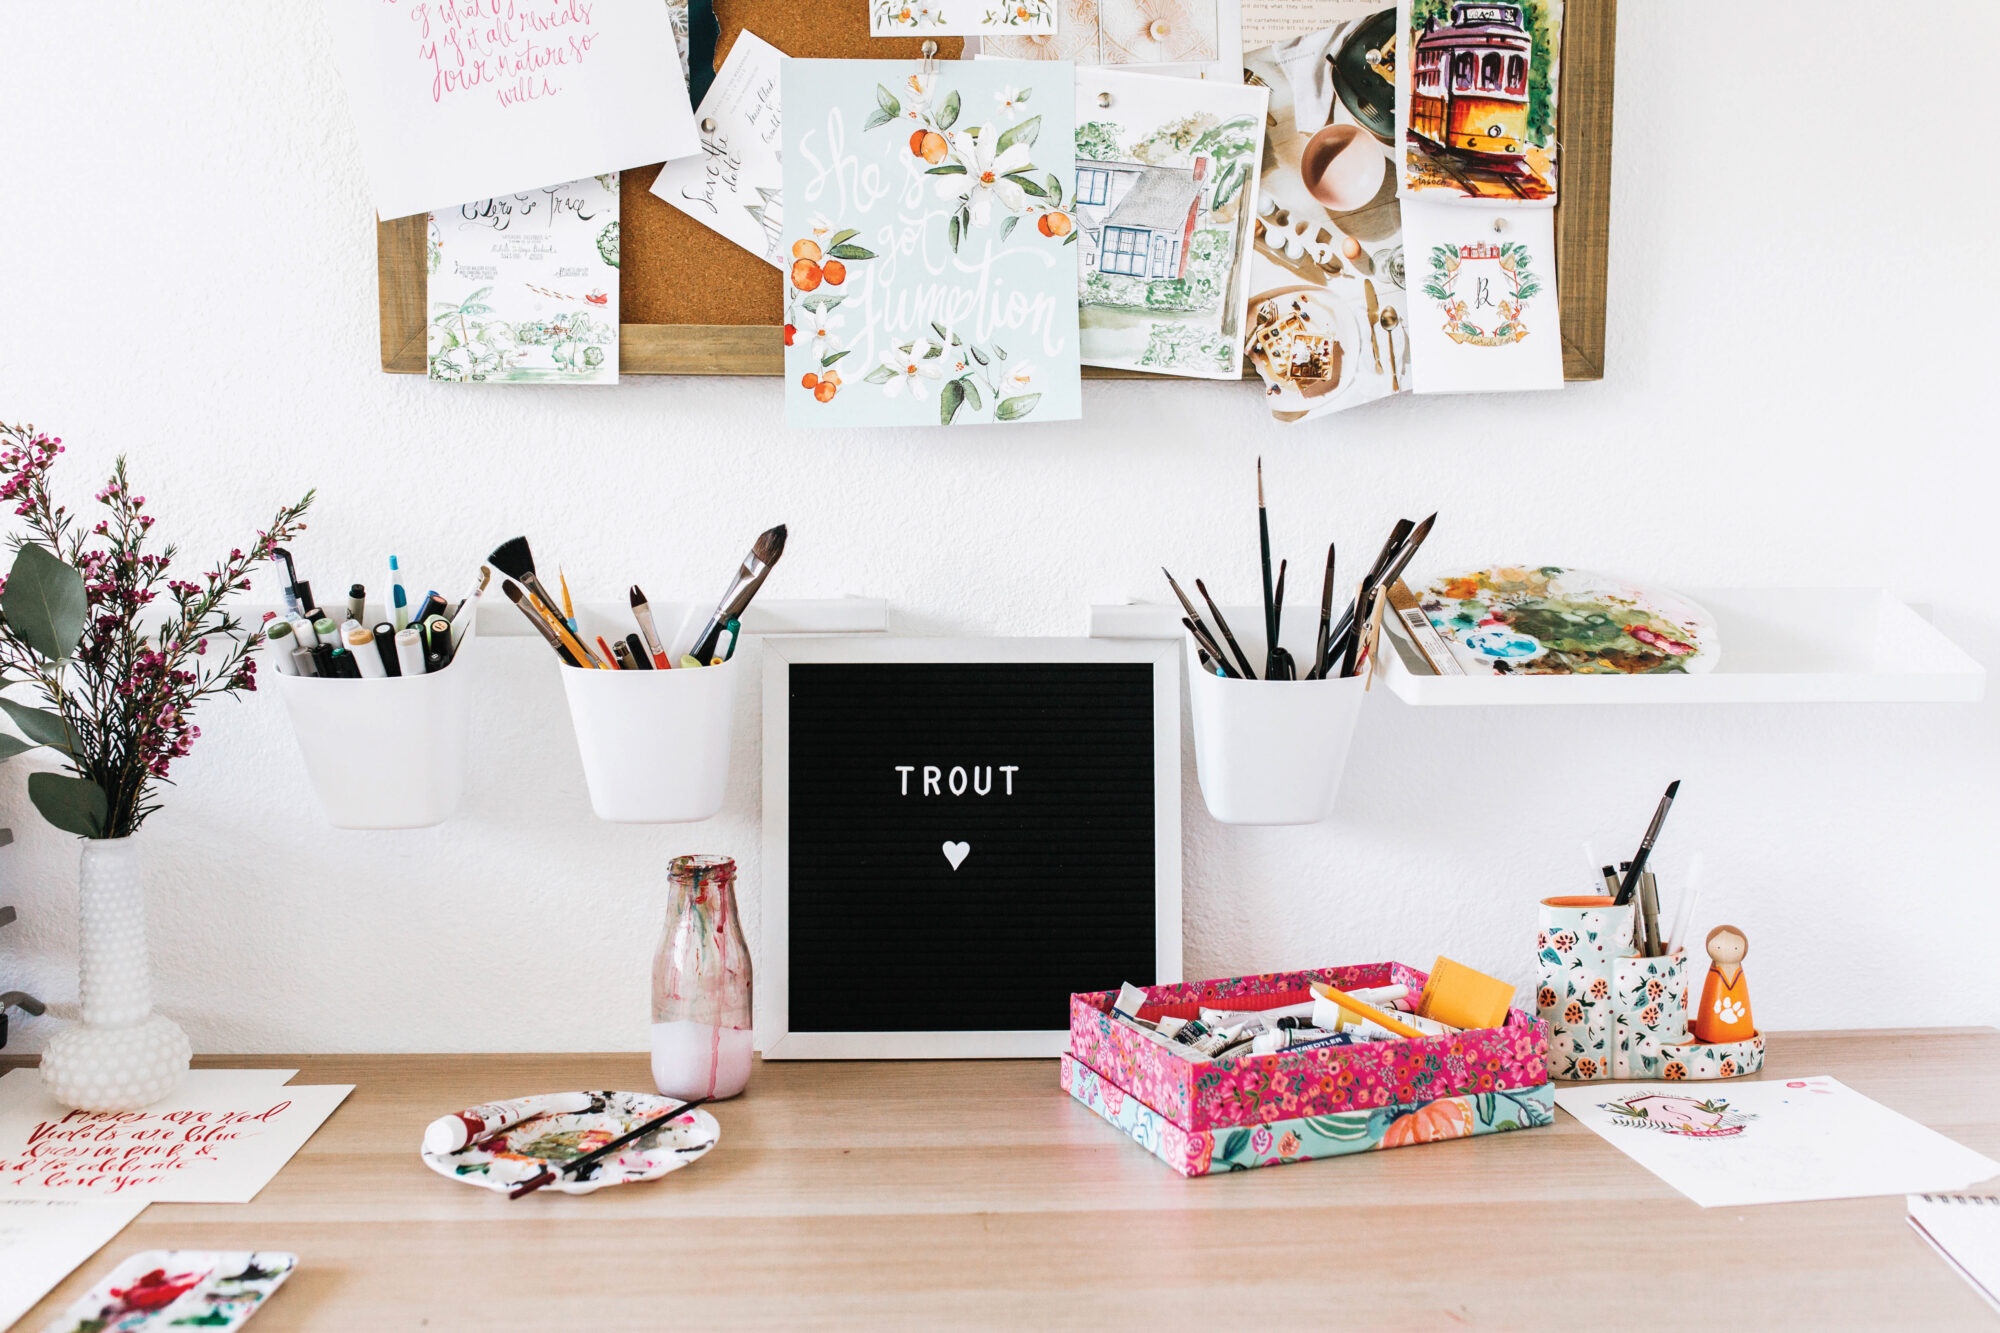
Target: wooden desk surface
x=978, y=1194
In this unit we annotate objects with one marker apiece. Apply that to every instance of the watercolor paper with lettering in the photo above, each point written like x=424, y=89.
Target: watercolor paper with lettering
x=199, y=1145
x=43, y=1240
x=1327, y=298
x=1166, y=187
x=930, y=225
x=1477, y=99
x=1483, y=310
x=951, y=18
x=733, y=185
x=453, y=101
x=1777, y=1141
x=523, y=288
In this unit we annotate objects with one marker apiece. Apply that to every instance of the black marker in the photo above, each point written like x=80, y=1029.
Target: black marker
x=385, y=644
x=437, y=644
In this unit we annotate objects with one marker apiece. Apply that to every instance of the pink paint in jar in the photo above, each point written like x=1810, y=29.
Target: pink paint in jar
x=702, y=1035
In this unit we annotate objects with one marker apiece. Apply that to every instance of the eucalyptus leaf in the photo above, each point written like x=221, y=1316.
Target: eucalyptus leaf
x=74, y=805
x=948, y=116
x=44, y=603
x=9, y=747
x=1013, y=409
x=949, y=400
x=1026, y=132
x=38, y=725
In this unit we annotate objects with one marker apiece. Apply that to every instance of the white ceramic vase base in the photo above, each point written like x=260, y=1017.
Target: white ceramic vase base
x=122, y=1056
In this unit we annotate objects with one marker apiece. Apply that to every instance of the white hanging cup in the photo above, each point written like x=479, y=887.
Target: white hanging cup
x=387, y=753
x=655, y=744
x=1271, y=751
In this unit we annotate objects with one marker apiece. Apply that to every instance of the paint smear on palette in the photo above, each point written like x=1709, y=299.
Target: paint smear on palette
x=1546, y=620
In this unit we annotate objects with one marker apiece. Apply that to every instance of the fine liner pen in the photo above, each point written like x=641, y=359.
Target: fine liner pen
x=1630, y=885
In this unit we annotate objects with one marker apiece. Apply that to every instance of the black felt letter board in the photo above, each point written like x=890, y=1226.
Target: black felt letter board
x=1054, y=887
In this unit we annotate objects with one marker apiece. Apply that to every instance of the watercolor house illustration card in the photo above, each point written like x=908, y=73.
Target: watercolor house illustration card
x=732, y=186
x=1327, y=324
x=524, y=287
x=460, y=101
x=951, y=18
x=930, y=224
x=1478, y=99
x=1166, y=184
x=1483, y=315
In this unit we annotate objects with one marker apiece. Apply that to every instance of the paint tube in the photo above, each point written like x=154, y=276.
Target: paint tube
x=1152, y=1034
x=1222, y=1018
x=1131, y=999
x=1191, y=1032
x=1169, y=1025
x=454, y=1133
x=1302, y=1039
x=1327, y=1014
x=1384, y=997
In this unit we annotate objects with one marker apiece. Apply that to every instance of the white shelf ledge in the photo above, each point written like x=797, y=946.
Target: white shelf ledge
x=1779, y=645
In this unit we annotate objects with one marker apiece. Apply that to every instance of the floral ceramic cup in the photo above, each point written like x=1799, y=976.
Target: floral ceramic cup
x=1649, y=998
x=1580, y=941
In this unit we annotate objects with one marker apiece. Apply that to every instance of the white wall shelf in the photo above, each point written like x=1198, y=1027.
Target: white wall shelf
x=1779, y=645
x=774, y=615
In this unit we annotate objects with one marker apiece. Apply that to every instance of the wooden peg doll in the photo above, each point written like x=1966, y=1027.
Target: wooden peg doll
x=1724, y=1012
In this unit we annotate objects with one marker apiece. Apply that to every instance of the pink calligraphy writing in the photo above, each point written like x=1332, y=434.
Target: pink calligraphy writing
x=514, y=50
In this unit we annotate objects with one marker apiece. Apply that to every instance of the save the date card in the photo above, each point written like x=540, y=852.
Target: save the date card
x=930, y=242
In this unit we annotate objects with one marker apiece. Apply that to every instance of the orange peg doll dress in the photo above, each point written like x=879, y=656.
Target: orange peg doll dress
x=1724, y=1012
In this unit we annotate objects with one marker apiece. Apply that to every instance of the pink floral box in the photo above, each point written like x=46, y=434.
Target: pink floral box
x=1256, y=1089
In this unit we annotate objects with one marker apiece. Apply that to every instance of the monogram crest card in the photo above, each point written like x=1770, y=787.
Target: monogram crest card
x=931, y=243
x=732, y=186
x=455, y=100
x=1483, y=312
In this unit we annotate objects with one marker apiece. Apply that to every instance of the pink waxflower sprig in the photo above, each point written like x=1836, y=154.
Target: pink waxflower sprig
x=118, y=699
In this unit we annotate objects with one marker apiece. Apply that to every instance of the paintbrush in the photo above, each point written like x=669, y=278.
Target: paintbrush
x=642, y=658
x=1282, y=665
x=1325, y=619
x=516, y=560
x=580, y=1166
x=1242, y=658
x=1396, y=555
x=1208, y=647
x=1270, y=609
x=569, y=607
x=750, y=576
x=1630, y=885
x=535, y=618
x=643, y=613
x=1199, y=627
x=610, y=655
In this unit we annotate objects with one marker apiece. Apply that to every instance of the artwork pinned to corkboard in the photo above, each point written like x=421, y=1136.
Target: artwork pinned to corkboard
x=692, y=303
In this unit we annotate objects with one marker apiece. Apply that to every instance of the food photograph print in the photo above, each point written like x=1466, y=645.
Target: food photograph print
x=930, y=216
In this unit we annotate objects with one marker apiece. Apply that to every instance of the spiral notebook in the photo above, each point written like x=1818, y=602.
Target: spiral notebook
x=1965, y=1229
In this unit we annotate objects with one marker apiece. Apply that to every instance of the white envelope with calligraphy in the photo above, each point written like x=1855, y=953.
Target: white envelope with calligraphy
x=453, y=105
x=733, y=185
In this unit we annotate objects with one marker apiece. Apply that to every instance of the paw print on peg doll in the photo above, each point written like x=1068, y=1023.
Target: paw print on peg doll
x=1724, y=1012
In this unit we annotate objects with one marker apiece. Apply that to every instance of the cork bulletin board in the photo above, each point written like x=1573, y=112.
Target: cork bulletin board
x=692, y=303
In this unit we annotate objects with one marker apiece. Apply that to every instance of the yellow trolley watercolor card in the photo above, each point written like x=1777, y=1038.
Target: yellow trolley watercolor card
x=1478, y=93
x=930, y=232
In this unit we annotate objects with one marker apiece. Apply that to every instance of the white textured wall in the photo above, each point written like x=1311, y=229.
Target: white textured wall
x=1801, y=311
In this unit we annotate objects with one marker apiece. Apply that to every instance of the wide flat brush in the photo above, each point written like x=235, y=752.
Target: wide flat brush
x=516, y=560
x=750, y=576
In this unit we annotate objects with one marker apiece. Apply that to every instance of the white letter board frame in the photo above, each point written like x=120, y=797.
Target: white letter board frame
x=778, y=1037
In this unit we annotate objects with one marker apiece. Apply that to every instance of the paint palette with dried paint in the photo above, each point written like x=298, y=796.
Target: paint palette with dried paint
x=1540, y=620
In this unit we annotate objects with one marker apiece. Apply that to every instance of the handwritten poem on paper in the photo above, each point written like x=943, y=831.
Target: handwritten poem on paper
x=108, y=1153
x=512, y=50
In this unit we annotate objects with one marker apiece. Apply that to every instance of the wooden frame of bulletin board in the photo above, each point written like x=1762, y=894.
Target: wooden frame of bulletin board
x=728, y=322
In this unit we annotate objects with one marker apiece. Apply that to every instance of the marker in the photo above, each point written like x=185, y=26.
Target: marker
x=343, y=664
x=725, y=647
x=302, y=658
x=303, y=631
x=461, y=621
x=357, y=602
x=385, y=648
x=282, y=641
x=326, y=632
x=437, y=644
x=690, y=660
x=361, y=647
x=410, y=652
x=322, y=656
x=399, y=601
x=280, y=556
x=430, y=606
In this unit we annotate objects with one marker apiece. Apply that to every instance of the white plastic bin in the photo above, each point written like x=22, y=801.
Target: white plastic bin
x=655, y=744
x=1271, y=751
x=388, y=753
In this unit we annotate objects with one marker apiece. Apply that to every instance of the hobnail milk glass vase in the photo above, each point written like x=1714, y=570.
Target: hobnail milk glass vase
x=122, y=1056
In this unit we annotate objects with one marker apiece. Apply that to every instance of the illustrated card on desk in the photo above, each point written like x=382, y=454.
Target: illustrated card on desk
x=950, y=18
x=732, y=187
x=1483, y=314
x=219, y=1144
x=1166, y=181
x=455, y=103
x=932, y=245
x=523, y=288
x=1479, y=99
x=1327, y=281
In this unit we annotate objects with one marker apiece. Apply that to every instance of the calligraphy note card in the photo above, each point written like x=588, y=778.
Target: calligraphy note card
x=1483, y=311
x=732, y=186
x=949, y=18
x=466, y=99
x=931, y=227
x=1166, y=187
x=523, y=288
x=196, y=1146
x=1775, y=1141
x=43, y=1240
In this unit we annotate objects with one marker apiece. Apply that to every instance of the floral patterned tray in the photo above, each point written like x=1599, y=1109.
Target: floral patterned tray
x=511, y=1155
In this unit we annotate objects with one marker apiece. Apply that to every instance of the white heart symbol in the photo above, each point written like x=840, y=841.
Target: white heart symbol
x=956, y=852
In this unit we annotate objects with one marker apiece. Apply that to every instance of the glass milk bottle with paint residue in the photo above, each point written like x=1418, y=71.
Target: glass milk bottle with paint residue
x=701, y=984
